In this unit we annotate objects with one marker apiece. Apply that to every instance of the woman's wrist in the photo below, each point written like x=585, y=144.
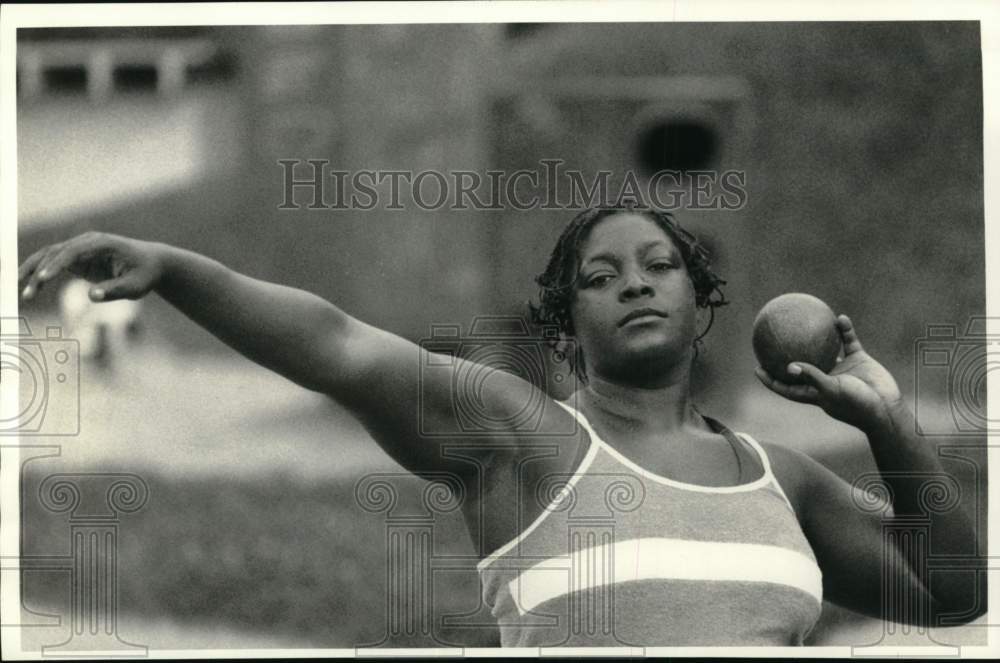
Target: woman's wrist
x=179, y=269
x=891, y=425
x=164, y=259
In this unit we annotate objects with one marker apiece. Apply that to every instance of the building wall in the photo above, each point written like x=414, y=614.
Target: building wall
x=860, y=143
x=863, y=159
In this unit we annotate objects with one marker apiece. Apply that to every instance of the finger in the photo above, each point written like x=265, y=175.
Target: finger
x=848, y=336
x=70, y=252
x=129, y=286
x=29, y=265
x=33, y=284
x=800, y=393
x=823, y=383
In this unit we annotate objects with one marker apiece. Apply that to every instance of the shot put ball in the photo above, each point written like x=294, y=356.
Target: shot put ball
x=795, y=327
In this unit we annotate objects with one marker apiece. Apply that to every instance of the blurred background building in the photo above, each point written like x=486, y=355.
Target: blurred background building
x=862, y=149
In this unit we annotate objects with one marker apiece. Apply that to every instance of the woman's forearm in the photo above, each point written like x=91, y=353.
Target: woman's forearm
x=287, y=330
x=921, y=489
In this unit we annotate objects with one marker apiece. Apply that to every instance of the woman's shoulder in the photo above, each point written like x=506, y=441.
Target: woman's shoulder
x=793, y=469
x=554, y=439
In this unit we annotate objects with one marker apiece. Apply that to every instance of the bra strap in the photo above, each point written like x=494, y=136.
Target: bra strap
x=767, y=466
x=580, y=419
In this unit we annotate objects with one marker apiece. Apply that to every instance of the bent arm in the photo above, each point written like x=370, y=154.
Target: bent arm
x=849, y=532
x=867, y=549
x=921, y=488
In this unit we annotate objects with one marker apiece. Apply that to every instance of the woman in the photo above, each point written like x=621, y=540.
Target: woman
x=650, y=524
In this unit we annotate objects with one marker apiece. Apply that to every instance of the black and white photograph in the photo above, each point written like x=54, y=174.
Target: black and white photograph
x=486, y=328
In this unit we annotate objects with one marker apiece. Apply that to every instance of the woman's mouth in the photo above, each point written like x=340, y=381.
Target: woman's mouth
x=641, y=314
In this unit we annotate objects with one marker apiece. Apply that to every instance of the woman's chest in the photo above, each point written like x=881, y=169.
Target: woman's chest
x=698, y=473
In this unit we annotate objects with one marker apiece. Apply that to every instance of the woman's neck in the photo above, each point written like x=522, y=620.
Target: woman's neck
x=663, y=409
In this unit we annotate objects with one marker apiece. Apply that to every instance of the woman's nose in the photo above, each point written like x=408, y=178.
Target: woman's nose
x=635, y=286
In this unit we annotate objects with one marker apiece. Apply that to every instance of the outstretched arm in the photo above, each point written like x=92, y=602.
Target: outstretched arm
x=303, y=337
x=849, y=541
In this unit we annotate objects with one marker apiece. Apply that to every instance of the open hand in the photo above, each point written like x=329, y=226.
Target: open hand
x=858, y=391
x=119, y=268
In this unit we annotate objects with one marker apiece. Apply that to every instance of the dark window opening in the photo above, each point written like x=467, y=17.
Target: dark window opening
x=135, y=78
x=65, y=80
x=678, y=145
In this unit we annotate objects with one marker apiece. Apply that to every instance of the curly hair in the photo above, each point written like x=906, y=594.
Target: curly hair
x=558, y=282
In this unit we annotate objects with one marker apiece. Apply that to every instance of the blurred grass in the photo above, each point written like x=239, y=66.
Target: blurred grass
x=300, y=562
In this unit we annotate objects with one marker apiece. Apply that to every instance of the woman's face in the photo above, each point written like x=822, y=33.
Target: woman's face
x=634, y=312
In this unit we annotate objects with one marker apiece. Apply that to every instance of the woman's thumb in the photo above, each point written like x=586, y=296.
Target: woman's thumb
x=128, y=286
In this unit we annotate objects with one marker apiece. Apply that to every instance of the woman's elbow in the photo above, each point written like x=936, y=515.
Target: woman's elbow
x=962, y=602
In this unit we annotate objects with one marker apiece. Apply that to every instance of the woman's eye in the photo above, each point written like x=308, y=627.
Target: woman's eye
x=661, y=266
x=598, y=281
